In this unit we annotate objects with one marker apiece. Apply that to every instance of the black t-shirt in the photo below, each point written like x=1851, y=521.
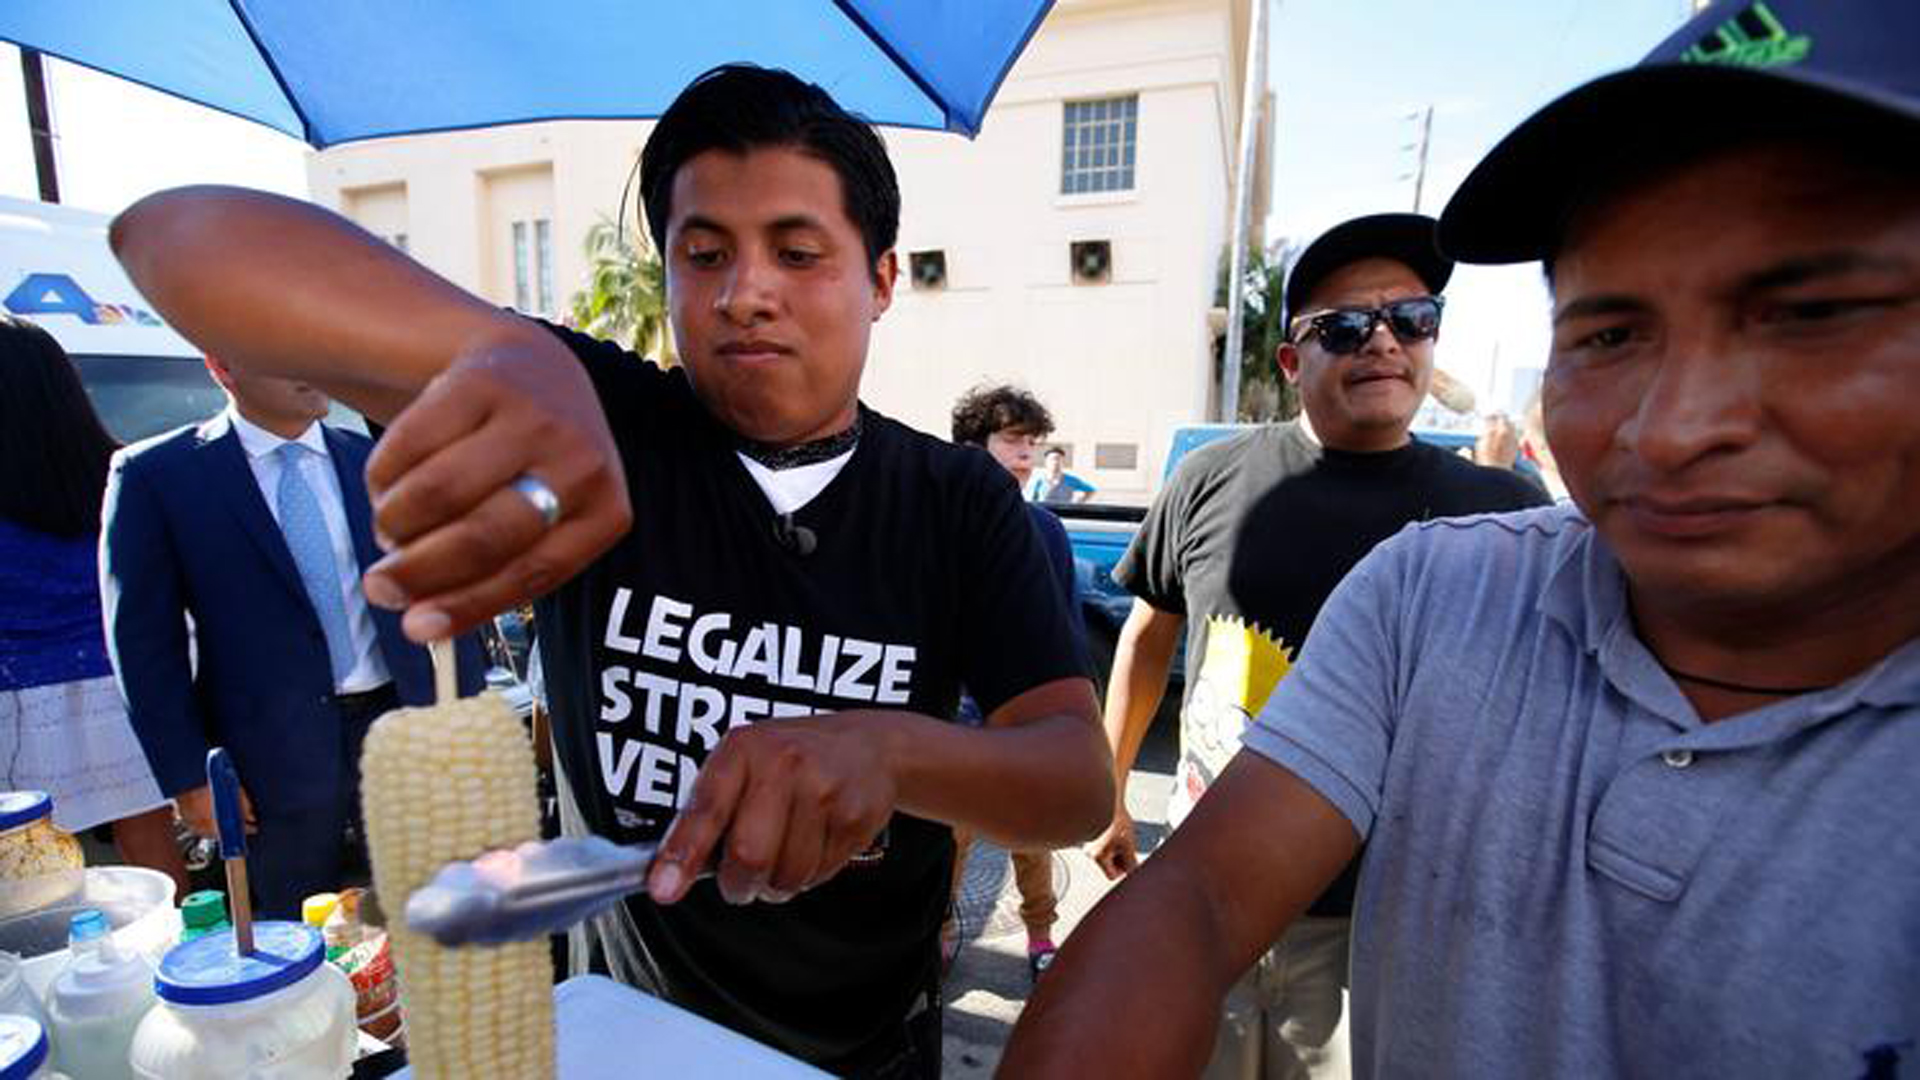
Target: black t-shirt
x=1299, y=539
x=927, y=574
x=1271, y=524
x=1178, y=563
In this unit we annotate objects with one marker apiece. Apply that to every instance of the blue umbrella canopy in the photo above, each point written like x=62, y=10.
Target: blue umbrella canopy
x=337, y=71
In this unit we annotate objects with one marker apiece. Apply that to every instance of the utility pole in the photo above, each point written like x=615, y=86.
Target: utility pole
x=1420, y=170
x=1250, y=95
x=33, y=78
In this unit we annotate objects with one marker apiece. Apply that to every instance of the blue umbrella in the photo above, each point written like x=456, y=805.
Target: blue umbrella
x=334, y=72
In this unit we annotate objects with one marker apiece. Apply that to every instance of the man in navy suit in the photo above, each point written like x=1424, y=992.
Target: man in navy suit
x=255, y=526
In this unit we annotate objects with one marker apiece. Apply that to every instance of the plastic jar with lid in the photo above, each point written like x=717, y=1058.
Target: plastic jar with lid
x=279, y=1013
x=23, y=1048
x=39, y=864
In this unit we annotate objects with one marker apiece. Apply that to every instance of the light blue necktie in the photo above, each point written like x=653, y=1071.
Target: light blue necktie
x=306, y=531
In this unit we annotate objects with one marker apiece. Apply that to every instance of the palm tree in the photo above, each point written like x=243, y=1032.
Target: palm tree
x=1264, y=395
x=625, y=300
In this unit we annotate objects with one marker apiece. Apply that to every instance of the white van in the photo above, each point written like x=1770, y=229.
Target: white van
x=144, y=378
x=56, y=270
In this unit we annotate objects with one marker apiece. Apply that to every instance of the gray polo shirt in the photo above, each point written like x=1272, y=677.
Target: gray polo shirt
x=1567, y=872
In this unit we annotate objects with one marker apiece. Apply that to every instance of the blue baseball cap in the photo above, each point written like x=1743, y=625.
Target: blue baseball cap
x=1745, y=66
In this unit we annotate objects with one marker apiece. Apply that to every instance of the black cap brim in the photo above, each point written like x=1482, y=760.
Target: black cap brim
x=1515, y=204
x=1404, y=238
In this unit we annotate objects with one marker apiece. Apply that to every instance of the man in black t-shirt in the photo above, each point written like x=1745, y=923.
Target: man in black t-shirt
x=1246, y=542
x=759, y=599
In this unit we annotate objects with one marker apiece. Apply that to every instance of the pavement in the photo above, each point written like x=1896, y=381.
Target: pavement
x=988, y=984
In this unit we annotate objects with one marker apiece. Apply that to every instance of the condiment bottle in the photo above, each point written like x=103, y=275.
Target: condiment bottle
x=203, y=912
x=96, y=1003
x=16, y=997
x=343, y=929
x=315, y=909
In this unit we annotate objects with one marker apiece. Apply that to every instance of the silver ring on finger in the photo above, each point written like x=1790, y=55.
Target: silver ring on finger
x=539, y=496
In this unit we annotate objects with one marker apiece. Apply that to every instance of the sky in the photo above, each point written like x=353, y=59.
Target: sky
x=118, y=141
x=1347, y=75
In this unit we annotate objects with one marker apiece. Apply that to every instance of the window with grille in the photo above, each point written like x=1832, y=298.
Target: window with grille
x=543, y=263
x=522, y=295
x=1098, y=145
x=533, y=266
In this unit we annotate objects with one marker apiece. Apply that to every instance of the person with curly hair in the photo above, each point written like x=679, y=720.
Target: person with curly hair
x=1005, y=421
x=1010, y=424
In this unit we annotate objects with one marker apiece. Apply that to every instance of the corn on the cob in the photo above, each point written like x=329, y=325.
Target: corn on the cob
x=443, y=783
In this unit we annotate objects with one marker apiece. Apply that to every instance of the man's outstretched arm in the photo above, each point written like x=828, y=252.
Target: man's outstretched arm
x=780, y=808
x=277, y=286
x=1141, y=660
x=1137, y=990
x=476, y=396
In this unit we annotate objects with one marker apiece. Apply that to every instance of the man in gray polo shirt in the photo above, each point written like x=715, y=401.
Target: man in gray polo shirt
x=1639, y=777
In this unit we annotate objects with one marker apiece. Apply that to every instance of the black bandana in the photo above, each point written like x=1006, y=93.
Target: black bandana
x=806, y=453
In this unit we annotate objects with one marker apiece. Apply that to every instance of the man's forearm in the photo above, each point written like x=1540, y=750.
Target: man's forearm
x=1136, y=990
x=782, y=806
x=1141, y=660
x=348, y=312
x=1047, y=782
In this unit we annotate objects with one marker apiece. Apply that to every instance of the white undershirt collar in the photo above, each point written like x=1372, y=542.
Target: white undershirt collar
x=790, y=489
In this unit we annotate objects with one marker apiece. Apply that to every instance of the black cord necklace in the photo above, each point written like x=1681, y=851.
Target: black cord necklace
x=1740, y=688
x=807, y=453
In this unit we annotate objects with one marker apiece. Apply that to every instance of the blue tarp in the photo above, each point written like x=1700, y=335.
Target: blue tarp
x=333, y=71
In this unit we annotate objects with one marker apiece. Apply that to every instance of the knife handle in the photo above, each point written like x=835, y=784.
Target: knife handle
x=227, y=817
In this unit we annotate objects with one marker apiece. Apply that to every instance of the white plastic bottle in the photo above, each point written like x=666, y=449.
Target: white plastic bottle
x=16, y=997
x=97, y=1002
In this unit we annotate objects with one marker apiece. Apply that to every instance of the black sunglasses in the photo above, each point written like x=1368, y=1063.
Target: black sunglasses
x=1346, y=330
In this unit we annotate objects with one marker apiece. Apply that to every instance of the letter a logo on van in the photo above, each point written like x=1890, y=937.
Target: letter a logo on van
x=52, y=294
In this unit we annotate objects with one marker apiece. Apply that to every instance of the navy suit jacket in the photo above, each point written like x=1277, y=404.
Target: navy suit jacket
x=186, y=532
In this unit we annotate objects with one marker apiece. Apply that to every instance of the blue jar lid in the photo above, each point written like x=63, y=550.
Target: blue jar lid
x=19, y=808
x=23, y=1046
x=210, y=971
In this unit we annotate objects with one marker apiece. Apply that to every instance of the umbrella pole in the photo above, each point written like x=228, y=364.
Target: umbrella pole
x=33, y=79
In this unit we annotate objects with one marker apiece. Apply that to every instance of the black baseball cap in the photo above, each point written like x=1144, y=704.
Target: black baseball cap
x=1406, y=238
x=1740, y=66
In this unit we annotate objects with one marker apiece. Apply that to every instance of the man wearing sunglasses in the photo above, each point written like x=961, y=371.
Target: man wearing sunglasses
x=1635, y=775
x=1245, y=544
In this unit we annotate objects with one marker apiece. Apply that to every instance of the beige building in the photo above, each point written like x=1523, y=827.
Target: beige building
x=1072, y=248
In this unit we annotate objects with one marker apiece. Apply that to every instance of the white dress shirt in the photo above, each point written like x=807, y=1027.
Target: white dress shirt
x=369, y=669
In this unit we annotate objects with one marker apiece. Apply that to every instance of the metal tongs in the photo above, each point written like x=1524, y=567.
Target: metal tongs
x=518, y=894
x=538, y=888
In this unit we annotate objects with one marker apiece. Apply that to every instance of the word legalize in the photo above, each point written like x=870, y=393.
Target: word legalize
x=665, y=717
